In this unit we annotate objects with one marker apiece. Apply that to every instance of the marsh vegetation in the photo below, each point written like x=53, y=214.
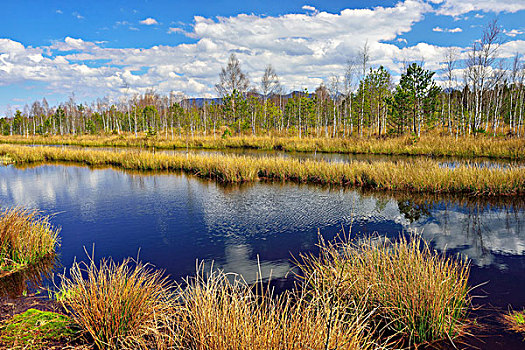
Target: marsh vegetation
x=422, y=175
x=404, y=304
x=26, y=238
x=354, y=295
x=431, y=144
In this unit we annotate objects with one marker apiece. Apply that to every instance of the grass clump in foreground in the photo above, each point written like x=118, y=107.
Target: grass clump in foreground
x=26, y=237
x=127, y=306
x=419, y=295
x=219, y=314
x=363, y=295
x=416, y=176
x=118, y=306
x=35, y=329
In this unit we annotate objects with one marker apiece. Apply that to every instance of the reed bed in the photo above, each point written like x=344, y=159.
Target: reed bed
x=429, y=145
x=26, y=237
x=421, y=175
x=418, y=294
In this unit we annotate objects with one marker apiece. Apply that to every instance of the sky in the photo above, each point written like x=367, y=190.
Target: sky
x=91, y=49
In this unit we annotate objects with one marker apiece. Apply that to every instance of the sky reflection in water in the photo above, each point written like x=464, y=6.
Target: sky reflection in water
x=174, y=220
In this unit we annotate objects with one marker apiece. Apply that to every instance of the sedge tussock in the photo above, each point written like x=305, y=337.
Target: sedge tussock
x=26, y=237
x=417, y=293
x=369, y=294
x=123, y=306
x=118, y=306
x=221, y=314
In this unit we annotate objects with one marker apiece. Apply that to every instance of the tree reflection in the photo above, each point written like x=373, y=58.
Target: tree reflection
x=413, y=211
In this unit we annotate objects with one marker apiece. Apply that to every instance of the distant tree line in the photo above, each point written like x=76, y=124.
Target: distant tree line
x=487, y=97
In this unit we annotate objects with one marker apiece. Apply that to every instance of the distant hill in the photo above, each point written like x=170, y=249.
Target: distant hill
x=200, y=101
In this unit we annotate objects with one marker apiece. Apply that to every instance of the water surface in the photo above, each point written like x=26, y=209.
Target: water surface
x=174, y=220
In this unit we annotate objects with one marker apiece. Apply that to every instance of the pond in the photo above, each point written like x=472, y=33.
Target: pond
x=173, y=220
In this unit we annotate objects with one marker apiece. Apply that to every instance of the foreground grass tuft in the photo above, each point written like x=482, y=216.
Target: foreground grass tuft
x=26, y=237
x=118, y=305
x=126, y=306
x=220, y=314
x=35, y=330
x=362, y=295
x=418, y=294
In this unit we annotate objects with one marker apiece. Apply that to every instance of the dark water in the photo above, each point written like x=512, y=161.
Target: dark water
x=174, y=220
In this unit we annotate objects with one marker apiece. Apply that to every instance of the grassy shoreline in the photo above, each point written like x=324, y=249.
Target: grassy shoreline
x=416, y=176
x=427, y=302
x=428, y=145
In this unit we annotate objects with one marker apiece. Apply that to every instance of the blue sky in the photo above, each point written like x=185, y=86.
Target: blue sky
x=91, y=49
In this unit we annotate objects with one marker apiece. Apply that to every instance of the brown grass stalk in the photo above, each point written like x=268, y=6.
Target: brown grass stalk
x=429, y=144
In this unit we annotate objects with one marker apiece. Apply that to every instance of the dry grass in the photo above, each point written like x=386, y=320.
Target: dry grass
x=421, y=175
x=366, y=295
x=120, y=306
x=418, y=294
x=430, y=144
x=26, y=237
x=223, y=315
x=130, y=307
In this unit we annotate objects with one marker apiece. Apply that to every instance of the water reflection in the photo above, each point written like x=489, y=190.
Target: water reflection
x=173, y=219
x=15, y=284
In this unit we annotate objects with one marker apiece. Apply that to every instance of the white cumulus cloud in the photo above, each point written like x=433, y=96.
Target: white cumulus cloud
x=460, y=7
x=513, y=33
x=309, y=8
x=149, y=21
x=447, y=30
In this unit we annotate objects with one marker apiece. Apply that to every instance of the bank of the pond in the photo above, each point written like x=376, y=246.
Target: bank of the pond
x=421, y=175
x=429, y=145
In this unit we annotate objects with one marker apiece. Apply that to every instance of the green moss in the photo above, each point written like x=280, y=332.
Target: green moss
x=35, y=329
